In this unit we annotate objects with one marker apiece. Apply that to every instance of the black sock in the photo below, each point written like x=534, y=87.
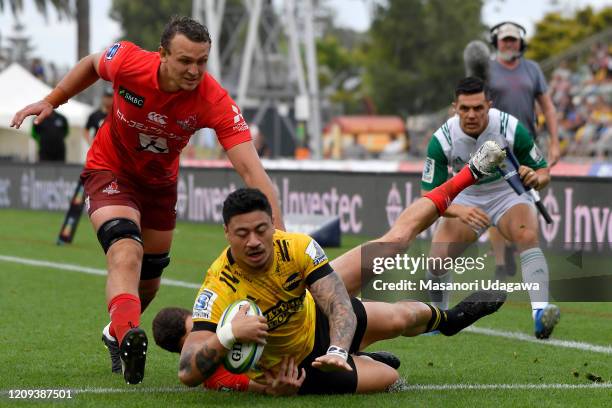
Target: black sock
x=438, y=319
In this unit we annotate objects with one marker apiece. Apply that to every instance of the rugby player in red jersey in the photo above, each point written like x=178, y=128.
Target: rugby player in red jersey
x=130, y=176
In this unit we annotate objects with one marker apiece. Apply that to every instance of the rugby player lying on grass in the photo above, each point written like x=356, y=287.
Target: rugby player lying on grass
x=313, y=321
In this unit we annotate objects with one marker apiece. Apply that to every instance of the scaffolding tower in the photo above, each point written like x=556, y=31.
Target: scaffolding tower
x=264, y=54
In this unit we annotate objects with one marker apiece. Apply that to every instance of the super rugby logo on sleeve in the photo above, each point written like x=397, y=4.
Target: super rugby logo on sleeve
x=535, y=154
x=428, y=170
x=316, y=253
x=203, y=305
x=131, y=97
x=112, y=51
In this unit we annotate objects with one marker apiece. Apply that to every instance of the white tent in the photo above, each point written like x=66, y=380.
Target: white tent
x=19, y=88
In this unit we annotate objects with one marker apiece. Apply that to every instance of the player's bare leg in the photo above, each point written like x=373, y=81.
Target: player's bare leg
x=520, y=226
x=373, y=376
x=504, y=255
x=156, y=249
x=419, y=215
x=124, y=259
x=414, y=219
x=412, y=318
x=451, y=239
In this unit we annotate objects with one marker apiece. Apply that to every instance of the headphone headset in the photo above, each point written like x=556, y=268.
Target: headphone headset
x=495, y=30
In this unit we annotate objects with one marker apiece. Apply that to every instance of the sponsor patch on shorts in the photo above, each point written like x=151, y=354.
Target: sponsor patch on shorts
x=428, y=170
x=203, y=305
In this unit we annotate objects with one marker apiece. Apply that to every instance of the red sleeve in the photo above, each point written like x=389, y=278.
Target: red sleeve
x=223, y=380
x=113, y=57
x=223, y=115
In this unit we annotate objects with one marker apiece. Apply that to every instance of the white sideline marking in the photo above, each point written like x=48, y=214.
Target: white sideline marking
x=84, y=269
x=478, y=330
x=549, y=342
x=461, y=387
x=415, y=387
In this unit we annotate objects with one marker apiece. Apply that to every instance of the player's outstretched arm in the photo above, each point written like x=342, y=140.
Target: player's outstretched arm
x=331, y=296
x=203, y=350
x=200, y=357
x=245, y=160
x=81, y=77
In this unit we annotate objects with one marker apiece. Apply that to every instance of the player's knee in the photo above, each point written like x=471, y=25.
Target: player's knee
x=125, y=255
x=153, y=266
x=527, y=238
x=117, y=229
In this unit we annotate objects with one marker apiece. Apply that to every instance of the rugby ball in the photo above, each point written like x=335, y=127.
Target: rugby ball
x=243, y=356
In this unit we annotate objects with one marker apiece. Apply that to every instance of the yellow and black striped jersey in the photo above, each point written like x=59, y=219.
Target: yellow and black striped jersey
x=280, y=292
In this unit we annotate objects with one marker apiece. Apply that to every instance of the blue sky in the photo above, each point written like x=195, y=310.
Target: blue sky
x=56, y=40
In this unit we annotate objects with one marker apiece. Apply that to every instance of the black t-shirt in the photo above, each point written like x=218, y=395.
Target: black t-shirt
x=51, y=133
x=94, y=122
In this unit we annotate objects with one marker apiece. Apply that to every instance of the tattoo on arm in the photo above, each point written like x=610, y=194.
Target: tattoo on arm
x=330, y=294
x=185, y=363
x=207, y=360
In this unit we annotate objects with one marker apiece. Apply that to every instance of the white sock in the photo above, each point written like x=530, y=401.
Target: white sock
x=106, y=332
x=535, y=270
x=440, y=299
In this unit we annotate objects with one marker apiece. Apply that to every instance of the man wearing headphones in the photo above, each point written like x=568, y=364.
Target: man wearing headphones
x=515, y=85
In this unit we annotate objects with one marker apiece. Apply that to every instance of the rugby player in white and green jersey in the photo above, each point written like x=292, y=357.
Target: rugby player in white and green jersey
x=491, y=201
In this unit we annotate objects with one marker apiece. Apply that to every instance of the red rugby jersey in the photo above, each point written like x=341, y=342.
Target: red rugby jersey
x=148, y=128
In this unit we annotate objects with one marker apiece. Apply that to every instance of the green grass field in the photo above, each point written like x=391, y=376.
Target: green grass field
x=51, y=320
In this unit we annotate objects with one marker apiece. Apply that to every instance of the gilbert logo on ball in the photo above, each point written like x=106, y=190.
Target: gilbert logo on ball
x=243, y=356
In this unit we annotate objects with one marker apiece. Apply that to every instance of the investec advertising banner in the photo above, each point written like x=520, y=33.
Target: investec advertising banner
x=366, y=203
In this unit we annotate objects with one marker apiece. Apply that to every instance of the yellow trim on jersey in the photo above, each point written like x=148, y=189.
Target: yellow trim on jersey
x=280, y=292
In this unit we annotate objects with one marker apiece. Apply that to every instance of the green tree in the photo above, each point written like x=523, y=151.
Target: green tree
x=414, y=56
x=142, y=22
x=556, y=33
x=65, y=9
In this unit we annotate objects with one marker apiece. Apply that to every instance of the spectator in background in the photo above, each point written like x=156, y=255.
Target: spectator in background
x=259, y=139
x=97, y=117
x=396, y=149
x=50, y=134
x=355, y=150
x=37, y=69
x=516, y=84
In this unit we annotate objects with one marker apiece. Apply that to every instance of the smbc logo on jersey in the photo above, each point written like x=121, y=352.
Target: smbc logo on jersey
x=131, y=97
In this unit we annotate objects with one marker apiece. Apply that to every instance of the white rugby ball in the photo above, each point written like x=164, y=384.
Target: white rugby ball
x=243, y=356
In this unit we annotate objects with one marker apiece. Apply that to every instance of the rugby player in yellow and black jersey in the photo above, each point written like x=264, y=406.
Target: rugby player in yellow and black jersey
x=309, y=317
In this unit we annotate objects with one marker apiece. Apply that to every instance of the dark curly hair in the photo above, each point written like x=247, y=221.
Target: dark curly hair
x=245, y=200
x=187, y=26
x=169, y=328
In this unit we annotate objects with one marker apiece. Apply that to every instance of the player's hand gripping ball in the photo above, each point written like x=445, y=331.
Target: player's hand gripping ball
x=243, y=356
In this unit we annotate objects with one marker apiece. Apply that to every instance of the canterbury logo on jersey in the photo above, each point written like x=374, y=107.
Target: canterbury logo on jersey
x=131, y=97
x=157, y=118
x=280, y=313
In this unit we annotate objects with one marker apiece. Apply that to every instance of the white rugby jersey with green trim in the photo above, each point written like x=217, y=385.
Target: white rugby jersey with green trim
x=451, y=147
